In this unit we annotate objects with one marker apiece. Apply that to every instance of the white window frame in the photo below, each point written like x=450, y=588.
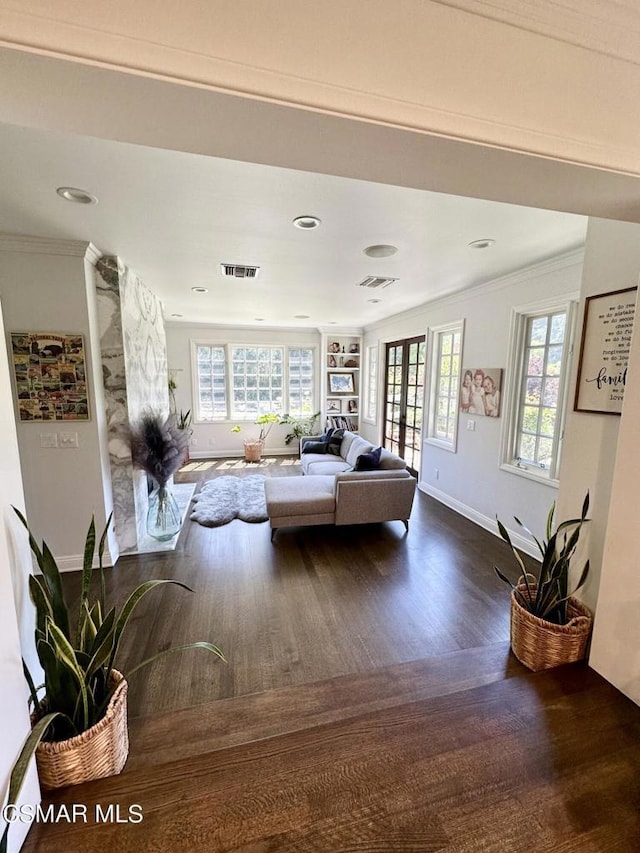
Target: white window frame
x=195, y=385
x=314, y=368
x=435, y=334
x=520, y=316
x=371, y=391
x=228, y=347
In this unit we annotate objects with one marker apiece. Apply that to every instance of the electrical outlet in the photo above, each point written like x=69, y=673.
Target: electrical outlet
x=193, y=442
x=436, y=473
x=471, y=425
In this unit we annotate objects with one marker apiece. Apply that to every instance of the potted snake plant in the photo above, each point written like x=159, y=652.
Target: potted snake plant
x=549, y=626
x=79, y=724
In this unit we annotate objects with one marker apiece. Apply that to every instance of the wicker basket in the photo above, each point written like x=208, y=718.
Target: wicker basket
x=100, y=751
x=539, y=644
x=253, y=450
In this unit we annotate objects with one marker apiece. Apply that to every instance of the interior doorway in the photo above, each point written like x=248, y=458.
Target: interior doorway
x=403, y=399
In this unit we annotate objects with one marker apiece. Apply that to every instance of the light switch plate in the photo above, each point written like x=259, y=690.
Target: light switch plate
x=68, y=439
x=48, y=439
x=471, y=425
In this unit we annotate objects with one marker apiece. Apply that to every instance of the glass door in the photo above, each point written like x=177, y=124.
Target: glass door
x=404, y=393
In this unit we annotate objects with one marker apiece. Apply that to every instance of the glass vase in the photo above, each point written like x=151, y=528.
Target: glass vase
x=163, y=517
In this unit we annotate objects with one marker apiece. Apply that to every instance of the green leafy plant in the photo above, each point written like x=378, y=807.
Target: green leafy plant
x=299, y=426
x=77, y=651
x=184, y=419
x=546, y=594
x=265, y=422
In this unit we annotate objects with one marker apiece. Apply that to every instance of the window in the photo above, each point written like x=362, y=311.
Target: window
x=446, y=350
x=542, y=343
x=257, y=381
x=300, y=382
x=242, y=382
x=371, y=383
x=211, y=396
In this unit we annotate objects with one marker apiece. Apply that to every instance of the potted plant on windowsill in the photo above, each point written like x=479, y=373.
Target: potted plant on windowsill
x=253, y=447
x=549, y=627
x=80, y=723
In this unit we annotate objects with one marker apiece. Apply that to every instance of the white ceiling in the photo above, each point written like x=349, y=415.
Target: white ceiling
x=175, y=217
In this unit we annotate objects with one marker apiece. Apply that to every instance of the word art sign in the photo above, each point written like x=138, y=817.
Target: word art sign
x=604, y=351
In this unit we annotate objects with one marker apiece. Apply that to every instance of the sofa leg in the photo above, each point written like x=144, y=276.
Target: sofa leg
x=405, y=521
x=274, y=530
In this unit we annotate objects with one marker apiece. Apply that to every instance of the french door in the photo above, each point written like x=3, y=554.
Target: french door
x=404, y=393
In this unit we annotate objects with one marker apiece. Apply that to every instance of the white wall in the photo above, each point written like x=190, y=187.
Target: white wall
x=14, y=717
x=611, y=262
x=211, y=440
x=470, y=480
x=603, y=456
x=43, y=288
x=615, y=649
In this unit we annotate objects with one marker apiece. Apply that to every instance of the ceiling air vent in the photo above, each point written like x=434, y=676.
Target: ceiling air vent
x=239, y=271
x=374, y=281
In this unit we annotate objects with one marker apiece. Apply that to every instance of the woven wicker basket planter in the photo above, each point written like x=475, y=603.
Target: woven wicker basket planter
x=542, y=645
x=253, y=450
x=100, y=751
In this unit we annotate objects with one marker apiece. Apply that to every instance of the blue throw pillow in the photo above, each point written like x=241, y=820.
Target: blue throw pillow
x=315, y=447
x=335, y=440
x=368, y=461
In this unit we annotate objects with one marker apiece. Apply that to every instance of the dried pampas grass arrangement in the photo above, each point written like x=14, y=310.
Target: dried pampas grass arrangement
x=158, y=445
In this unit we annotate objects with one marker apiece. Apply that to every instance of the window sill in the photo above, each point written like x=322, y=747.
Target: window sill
x=530, y=474
x=443, y=445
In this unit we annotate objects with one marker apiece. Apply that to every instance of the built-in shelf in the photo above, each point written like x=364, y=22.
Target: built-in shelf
x=341, y=380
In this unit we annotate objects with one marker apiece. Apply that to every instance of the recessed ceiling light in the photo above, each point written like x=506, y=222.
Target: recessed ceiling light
x=301, y=316
x=380, y=251
x=76, y=195
x=177, y=315
x=482, y=244
x=374, y=301
x=333, y=322
x=259, y=319
x=200, y=289
x=307, y=223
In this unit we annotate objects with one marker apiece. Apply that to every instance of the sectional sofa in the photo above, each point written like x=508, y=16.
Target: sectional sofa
x=333, y=491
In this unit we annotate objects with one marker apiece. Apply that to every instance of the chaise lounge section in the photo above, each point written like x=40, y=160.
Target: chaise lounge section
x=332, y=492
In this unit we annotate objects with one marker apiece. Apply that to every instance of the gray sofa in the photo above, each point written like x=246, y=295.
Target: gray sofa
x=332, y=492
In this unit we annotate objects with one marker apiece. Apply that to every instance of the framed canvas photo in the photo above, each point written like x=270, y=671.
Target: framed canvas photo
x=333, y=407
x=341, y=383
x=604, y=351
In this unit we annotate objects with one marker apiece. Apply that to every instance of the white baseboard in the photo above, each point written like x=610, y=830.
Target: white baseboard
x=520, y=541
x=238, y=454
x=73, y=563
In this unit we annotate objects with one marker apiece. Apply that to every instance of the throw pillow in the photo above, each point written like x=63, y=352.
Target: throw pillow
x=335, y=441
x=368, y=461
x=315, y=447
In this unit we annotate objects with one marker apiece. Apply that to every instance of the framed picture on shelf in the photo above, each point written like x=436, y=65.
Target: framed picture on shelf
x=353, y=407
x=341, y=383
x=333, y=407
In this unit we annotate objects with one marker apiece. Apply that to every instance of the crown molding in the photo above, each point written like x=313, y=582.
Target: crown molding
x=93, y=254
x=573, y=258
x=602, y=26
x=46, y=246
x=84, y=39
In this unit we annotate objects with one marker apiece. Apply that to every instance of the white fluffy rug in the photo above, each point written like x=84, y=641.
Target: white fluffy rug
x=225, y=498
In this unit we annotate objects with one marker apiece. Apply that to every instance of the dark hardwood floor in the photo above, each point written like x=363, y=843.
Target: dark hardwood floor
x=369, y=703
